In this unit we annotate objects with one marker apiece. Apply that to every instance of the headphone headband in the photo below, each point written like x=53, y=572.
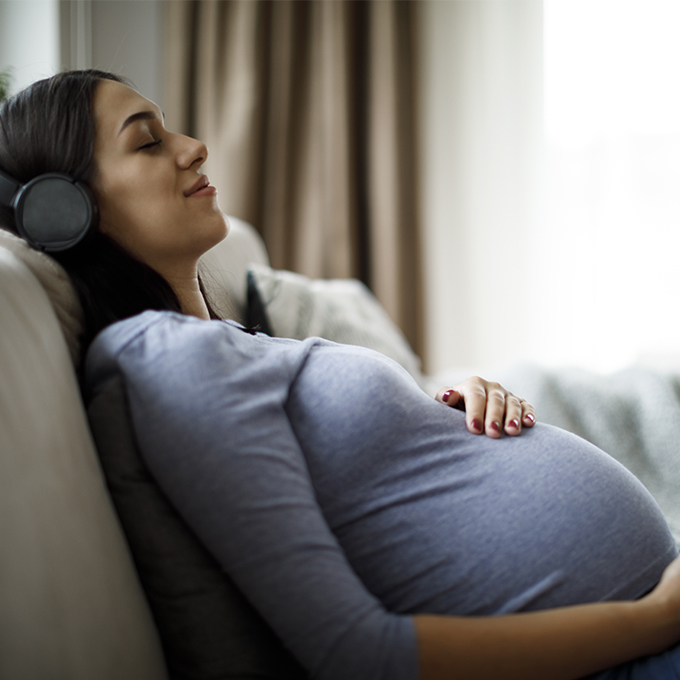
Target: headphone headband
x=53, y=212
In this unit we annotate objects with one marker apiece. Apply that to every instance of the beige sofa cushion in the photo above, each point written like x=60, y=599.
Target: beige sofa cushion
x=56, y=284
x=224, y=268
x=72, y=606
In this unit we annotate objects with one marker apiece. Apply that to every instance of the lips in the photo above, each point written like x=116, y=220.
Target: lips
x=202, y=182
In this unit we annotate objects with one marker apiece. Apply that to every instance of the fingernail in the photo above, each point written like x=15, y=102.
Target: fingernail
x=495, y=426
x=447, y=395
x=477, y=425
x=514, y=423
x=530, y=418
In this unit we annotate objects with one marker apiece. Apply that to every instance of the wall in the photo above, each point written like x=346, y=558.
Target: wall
x=481, y=117
x=39, y=37
x=127, y=39
x=29, y=42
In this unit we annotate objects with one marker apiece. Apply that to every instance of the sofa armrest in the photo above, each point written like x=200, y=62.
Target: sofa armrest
x=72, y=606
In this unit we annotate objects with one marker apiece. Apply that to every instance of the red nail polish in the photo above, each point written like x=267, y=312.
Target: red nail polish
x=447, y=395
x=514, y=423
x=530, y=418
x=495, y=426
x=476, y=425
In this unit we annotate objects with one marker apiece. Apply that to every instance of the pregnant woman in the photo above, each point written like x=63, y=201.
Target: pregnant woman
x=375, y=529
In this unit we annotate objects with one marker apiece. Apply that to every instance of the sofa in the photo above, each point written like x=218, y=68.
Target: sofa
x=74, y=603
x=100, y=579
x=72, y=606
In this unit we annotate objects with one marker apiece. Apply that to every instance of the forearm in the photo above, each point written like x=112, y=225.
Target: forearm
x=557, y=644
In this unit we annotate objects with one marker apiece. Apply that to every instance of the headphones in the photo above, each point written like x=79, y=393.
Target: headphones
x=53, y=212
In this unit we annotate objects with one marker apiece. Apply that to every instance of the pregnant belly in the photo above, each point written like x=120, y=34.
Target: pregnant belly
x=525, y=523
x=434, y=519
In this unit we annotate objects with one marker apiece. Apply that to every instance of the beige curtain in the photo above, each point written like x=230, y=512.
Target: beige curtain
x=308, y=109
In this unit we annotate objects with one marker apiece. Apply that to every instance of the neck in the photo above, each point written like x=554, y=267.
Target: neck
x=191, y=298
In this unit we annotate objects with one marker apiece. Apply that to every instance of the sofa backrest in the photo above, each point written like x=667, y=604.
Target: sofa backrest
x=225, y=266
x=223, y=269
x=72, y=605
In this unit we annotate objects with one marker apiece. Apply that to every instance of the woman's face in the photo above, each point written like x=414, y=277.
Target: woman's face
x=151, y=196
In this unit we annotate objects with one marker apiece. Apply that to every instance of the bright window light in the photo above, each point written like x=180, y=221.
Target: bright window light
x=609, y=242
x=611, y=69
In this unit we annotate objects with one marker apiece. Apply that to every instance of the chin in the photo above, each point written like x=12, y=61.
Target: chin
x=227, y=225
x=215, y=234
x=206, y=233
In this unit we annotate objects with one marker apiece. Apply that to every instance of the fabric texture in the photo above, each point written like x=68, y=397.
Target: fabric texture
x=341, y=498
x=309, y=109
x=224, y=268
x=342, y=310
x=72, y=606
x=633, y=414
x=209, y=631
x=56, y=284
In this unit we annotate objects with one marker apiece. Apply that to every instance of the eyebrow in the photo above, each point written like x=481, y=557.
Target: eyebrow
x=141, y=115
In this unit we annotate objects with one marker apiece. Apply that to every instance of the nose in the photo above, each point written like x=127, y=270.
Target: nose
x=191, y=152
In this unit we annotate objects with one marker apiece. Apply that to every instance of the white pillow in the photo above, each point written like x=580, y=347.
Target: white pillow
x=342, y=310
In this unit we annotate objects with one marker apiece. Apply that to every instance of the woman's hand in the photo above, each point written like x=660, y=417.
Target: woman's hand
x=490, y=408
x=666, y=598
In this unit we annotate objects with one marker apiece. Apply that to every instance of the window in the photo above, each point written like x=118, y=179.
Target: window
x=609, y=240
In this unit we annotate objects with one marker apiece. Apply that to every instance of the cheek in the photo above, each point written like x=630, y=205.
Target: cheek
x=137, y=215
x=152, y=221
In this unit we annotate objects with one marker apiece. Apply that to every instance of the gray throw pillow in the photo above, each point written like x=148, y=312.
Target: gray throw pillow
x=208, y=629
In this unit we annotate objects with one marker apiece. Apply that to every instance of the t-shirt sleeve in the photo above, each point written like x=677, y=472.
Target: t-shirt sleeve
x=212, y=428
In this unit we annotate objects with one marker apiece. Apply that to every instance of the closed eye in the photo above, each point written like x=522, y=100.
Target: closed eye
x=151, y=145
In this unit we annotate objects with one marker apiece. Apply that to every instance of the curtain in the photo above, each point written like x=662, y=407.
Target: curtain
x=308, y=109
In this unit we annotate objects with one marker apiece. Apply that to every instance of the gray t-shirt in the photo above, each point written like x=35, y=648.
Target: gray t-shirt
x=341, y=498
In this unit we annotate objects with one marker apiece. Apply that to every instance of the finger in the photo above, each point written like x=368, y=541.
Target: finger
x=450, y=396
x=513, y=415
x=495, y=410
x=475, y=397
x=528, y=414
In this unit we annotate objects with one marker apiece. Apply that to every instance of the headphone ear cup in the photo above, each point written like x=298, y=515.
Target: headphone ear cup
x=54, y=213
